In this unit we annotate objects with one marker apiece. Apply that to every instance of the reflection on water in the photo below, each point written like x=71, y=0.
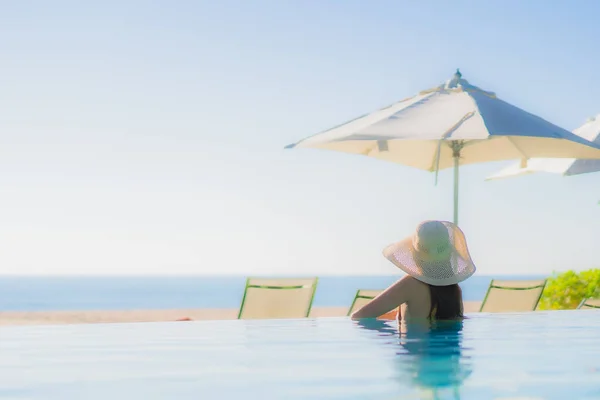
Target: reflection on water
x=428, y=356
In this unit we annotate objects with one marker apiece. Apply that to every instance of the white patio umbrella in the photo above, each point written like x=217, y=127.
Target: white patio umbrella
x=452, y=124
x=563, y=166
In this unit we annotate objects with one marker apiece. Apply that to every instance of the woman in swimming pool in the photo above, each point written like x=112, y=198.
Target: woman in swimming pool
x=435, y=259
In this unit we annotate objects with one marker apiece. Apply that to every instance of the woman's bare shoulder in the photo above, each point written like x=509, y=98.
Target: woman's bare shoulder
x=413, y=287
x=414, y=282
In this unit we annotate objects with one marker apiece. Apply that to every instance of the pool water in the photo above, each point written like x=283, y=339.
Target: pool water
x=542, y=355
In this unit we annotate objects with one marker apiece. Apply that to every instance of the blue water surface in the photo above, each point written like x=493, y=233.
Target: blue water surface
x=540, y=355
x=66, y=293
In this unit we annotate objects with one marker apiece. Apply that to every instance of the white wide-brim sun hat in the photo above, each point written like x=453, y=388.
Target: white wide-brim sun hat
x=435, y=254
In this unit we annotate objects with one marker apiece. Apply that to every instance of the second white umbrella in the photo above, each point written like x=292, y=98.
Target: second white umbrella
x=563, y=166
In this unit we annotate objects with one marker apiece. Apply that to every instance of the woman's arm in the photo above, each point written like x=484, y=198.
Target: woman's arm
x=387, y=300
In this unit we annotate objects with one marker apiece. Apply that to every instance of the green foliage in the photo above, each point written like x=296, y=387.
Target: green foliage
x=566, y=290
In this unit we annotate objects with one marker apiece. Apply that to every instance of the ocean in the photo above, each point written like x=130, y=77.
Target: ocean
x=66, y=293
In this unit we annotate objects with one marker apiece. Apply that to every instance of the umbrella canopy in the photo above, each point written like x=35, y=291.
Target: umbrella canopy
x=563, y=166
x=451, y=124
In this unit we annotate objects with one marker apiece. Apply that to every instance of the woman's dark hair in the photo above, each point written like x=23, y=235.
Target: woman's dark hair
x=446, y=302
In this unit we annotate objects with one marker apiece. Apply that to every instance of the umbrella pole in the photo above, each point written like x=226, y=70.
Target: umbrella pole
x=456, y=148
x=456, y=164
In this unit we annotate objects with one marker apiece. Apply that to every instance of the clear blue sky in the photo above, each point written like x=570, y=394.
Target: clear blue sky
x=147, y=136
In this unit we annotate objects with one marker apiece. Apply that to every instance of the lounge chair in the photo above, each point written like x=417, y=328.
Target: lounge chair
x=589, y=304
x=362, y=298
x=513, y=296
x=277, y=298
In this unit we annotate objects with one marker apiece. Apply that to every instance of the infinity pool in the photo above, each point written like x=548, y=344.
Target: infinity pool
x=538, y=355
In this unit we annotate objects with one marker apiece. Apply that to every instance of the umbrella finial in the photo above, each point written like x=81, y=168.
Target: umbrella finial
x=455, y=82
